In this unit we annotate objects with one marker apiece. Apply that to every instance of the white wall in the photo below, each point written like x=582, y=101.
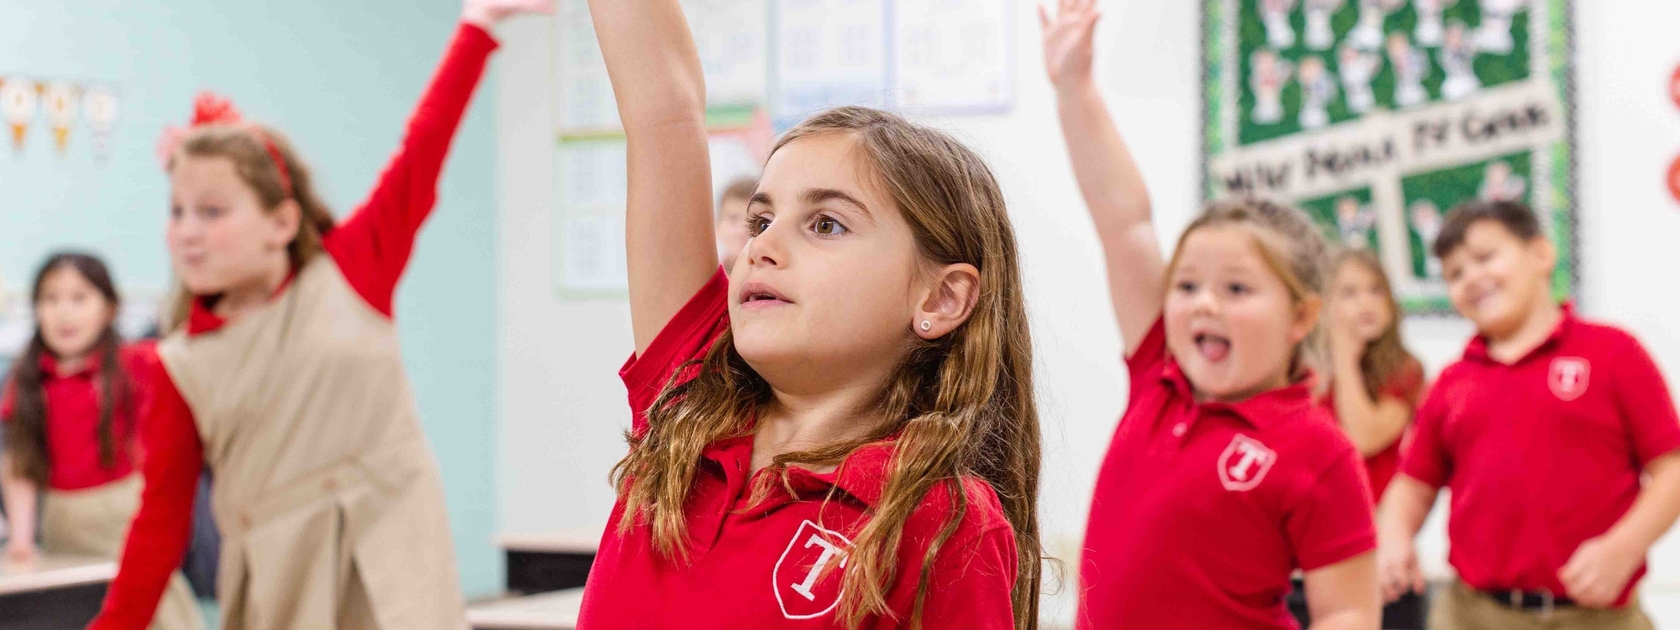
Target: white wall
x=563, y=410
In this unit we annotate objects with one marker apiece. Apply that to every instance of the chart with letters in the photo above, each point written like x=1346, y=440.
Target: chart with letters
x=1377, y=117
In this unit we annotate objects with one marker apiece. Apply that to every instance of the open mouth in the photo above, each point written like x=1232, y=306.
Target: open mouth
x=758, y=294
x=1213, y=347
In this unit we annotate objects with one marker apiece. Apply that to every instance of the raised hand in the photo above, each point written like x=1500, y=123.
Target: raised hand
x=486, y=13
x=1067, y=41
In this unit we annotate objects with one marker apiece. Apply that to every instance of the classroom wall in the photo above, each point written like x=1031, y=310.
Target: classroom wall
x=562, y=409
x=340, y=78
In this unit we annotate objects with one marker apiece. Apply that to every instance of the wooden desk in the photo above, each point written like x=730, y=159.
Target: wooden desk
x=557, y=610
x=549, y=561
x=53, y=593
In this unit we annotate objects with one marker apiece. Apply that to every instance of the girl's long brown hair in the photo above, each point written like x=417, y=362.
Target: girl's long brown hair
x=240, y=143
x=961, y=405
x=1385, y=357
x=26, y=431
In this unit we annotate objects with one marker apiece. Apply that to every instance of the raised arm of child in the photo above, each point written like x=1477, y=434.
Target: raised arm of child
x=1108, y=177
x=656, y=77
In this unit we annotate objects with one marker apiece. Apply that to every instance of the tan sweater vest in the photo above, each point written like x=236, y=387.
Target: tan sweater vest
x=325, y=488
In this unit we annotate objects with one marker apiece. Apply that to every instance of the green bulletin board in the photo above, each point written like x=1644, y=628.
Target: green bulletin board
x=1377, y=117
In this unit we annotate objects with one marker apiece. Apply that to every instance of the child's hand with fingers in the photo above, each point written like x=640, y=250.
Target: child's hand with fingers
x=1598, y=571
x=21, y=552
x=1345, y=345
x=1398, y=571
x=1067, y=42
x=487, y=13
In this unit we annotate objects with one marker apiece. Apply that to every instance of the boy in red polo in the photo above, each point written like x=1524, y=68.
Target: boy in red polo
x=1542, y=432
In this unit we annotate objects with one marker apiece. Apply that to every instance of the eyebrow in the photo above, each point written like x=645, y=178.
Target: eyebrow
x=816, y=196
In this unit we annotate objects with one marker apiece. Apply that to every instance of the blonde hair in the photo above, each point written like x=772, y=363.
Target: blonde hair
x=1293, y=248
x=961, y=405
x=251, y=159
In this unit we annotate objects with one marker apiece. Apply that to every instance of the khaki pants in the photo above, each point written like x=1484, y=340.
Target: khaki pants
x=1458, y=607
x=94, y=522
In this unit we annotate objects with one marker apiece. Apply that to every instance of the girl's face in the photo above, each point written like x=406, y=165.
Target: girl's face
x=1231, y=323
x=825, y=287
x=220, y=237
x=71, y=312
x=1359, y=302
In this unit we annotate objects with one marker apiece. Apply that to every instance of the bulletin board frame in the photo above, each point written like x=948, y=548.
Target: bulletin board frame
x=1482, y=120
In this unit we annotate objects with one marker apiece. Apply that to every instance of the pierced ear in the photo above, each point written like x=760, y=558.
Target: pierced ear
x=950, y=300
x=1307, y=313
x=286, y=219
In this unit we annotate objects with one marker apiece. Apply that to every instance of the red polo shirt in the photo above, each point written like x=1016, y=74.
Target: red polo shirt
x=761, y=565
x=1406, y=386
x=1202, y=510
x=1543, y=453
x=73, y=410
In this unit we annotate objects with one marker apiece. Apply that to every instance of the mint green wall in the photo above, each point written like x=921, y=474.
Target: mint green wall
x=339, y=77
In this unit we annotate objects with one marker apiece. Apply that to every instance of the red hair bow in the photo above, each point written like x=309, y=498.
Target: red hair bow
x=210, y=108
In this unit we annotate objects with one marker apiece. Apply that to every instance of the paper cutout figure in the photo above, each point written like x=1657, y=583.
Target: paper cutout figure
x=18, y=99
x=1275, y=14
x=1354, y=221
x=1410, y=66
x=99, y=109
x=1500, y=183
x=62, y=100
x=1319, y=35
x=1368, y=32
x=1426, y=221
x=1357, y=70
x=1318, y=88
x=1458, y=57
x=1494, y=35
x=1428, y=32
x=1267, y=74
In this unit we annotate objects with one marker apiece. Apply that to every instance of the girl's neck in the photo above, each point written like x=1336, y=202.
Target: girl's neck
x=1279, y=380
x=793, y=422
x=70, y=363
x=255, y=292
x=1537, y=326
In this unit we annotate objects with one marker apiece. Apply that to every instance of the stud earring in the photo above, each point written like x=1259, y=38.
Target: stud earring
x=926, y=325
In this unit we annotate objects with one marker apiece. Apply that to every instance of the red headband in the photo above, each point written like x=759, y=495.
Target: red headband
x=211, y=109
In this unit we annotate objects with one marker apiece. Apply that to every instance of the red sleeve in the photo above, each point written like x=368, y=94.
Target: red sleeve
x=1645, y=404
x=6, y=395
x=142, y=363
x=158, y=537
x=685, y=338
x=972, y=582
x=1149, y=357
x=373, y=245
x=1331, y=520
x=1428, y=459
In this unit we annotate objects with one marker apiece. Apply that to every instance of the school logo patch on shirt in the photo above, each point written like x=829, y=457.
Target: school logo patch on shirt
x=808, y=574
x=1569, y=377
x=1244, y=463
